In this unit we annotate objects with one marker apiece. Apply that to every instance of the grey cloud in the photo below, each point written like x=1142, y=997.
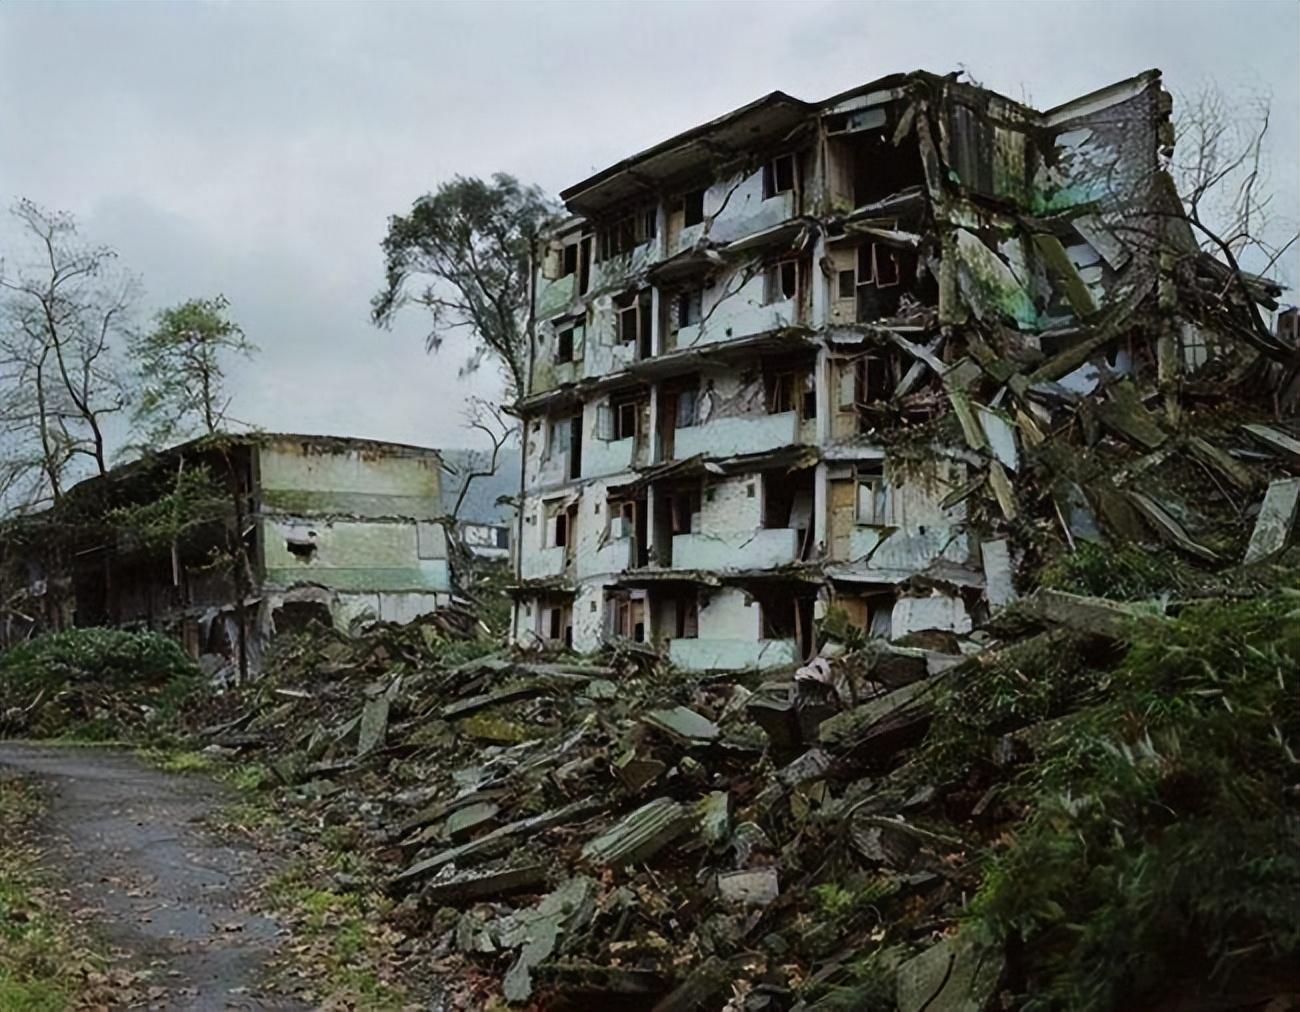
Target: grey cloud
x=256, y=149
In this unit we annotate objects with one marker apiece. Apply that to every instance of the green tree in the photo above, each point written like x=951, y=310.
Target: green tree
x=182, y=381
x=181, y=367
x=463, y=253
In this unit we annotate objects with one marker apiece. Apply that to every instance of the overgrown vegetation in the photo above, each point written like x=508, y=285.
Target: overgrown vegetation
x=1160, y=829
x=99, y=684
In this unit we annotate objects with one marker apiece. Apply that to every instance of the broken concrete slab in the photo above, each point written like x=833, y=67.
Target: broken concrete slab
x=1000, y=484
x=1276, y=440
x=373, y=725
x=702, y=988
x=997, y=572
x=750, y=887
x=954, y=975
x=1124, y=413
x=636, y=772
x=637, y=837
x=465, y=820
x=474, y=886
x=510, y=694
x=1169, y=529
x=1000, y=435
x=1276, y=520
x=881, y=721
x=1221, y=462
x=537, y=931
x=684, y=724
x=1095, y=616
x=497, y=840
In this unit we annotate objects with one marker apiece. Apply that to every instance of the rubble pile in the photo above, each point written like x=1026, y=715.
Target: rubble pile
x=948, y=823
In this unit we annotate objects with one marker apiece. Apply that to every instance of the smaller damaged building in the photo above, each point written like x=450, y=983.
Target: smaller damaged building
x=335, y=529
x=848, y=359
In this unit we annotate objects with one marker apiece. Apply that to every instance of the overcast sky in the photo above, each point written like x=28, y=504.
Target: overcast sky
x=256, y=149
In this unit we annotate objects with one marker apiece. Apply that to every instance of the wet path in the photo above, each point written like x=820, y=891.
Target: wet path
x=126, y=841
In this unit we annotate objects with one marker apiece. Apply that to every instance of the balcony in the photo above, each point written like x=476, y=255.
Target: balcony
x=616, y=555
x=611, y=456
x=542, y=562
x=721, y=437
x=741, y=313
x=731, y=654
x=761, y=549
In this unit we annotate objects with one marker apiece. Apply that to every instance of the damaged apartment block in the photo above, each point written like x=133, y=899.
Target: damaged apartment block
x=817, y=358
x=338, y=530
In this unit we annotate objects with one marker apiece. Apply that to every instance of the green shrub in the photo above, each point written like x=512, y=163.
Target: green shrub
x=1121, y=573
x=1160, y=835
x=97, y=683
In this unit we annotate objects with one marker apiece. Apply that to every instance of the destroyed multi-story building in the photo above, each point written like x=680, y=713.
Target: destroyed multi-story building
x=336, y=529
x=795, y=364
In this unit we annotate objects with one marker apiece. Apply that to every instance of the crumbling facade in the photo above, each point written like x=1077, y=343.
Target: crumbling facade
x=336, y=529
x=793, y=366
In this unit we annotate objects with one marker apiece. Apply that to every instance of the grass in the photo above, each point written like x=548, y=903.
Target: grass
x=45, y=964
x=342, y=947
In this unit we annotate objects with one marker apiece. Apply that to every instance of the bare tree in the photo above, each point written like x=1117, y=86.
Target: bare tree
x=1220, y=169
x=66, y=307
x=499, y=430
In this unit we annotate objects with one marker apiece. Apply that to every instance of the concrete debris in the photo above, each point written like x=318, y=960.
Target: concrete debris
x=1276, y=520
x=683, y=724
x=755, y=887
x=641, y=834
x=469, y=888
x=537, y=931
x=954, y=975
x=1090, y=615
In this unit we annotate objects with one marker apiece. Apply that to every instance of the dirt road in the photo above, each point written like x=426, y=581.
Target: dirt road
x=126, y=841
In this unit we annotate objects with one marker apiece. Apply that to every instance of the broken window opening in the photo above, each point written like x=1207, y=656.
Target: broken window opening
x=688, y=617
x=788, y=505
x=584, y=265
x=873, y=503
x=569, y=263
x=564, y=342
x=871, y=167
x=627, y=416
x=792, y=390
x=575, y=447
x=778, y=176
x=693, y=207
x=633, y=312
x=847, y=284
x=783, y=617
x=557, y=437
x=882, y=274
x=627, y=233
x=302, y=548
x=690, y=307
x=685, y=507
x=556, y=622
x=625, y=616
x=781, y=281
